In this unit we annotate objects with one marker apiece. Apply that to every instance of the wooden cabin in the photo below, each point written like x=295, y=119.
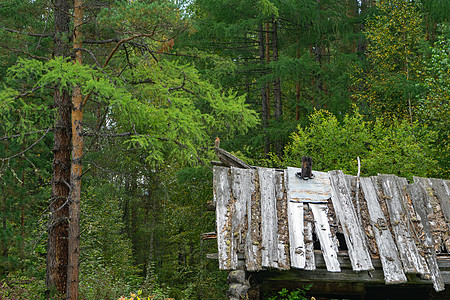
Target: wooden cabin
x=374, y=237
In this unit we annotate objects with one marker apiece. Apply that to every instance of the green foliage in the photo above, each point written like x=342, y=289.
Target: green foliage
x=17, y=286
x=434, y=105
x=398, y=148
x=297, y=294
x=107, y=268
x=195, y=72
x=151, y=17
x=396, y=37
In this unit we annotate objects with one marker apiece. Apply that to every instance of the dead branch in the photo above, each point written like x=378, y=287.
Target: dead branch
x=23, y=52
x=27, y=149
x=92, y=55
x=26, y=33
x=7, y=137
x=88, y=41
x=28, y=92
x=113, y=51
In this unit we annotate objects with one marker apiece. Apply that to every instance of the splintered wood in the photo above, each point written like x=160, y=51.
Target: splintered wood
x=271, y=219
x=438, y=201
x=269, y=215
x=351, y=227
x=423, y=208
x=392, y=267
x=222, y=194
x=412, y=261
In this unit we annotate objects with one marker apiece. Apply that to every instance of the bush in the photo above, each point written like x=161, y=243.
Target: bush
x=394, y=147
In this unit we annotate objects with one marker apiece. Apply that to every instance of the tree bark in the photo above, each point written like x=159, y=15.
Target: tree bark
x=57, y=243
x=264, y=95
x=277, y=86
x=277, y=83
x=76, y=168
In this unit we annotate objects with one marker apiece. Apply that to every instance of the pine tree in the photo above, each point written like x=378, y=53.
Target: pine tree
x=395, y=36
x=127, y=87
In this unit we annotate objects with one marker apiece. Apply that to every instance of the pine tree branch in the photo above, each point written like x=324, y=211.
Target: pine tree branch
x=108, y=135
x=90, y=53
x=88, y=41
x=7, y=137
x=27, y=149
x=26, y=33
x=23, y=52
x=113, y=51
x=142, y=81
x=129, y=133
x=62, y=10
x=28, y=92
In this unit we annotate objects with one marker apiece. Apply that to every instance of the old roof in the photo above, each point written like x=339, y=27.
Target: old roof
x=272, y=219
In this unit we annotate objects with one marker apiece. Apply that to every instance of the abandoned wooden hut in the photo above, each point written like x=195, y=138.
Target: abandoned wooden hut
x=374, y=237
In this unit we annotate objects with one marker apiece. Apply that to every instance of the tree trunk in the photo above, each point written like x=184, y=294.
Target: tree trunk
x=277, y=83
x=277, y=87
x=76, y=168
x=57, y=244
x=264, y=96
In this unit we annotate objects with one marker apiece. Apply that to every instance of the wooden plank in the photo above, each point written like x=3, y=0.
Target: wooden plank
x=440, y=228
x=313, y=190
x=323, y=232
x=282, y=224
x=269, y=220
x=418, y=196
x=345, y=212
x=242, y=188
x=222, y=195
x=310, y=262
x=253, y=239
x=390, y=260
x=441, y=191
x=412, y=261
x=295, y=220
x=446, y=203
x=321, y=275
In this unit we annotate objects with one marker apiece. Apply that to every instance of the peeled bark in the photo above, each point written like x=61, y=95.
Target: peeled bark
x=57, y=244
x=76, y=169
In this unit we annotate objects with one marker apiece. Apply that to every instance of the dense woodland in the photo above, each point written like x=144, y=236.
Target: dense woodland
x=109, y=110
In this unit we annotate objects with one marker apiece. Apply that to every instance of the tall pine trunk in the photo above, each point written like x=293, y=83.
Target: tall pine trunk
x=57, y=248
x=264, y=96
x=277, y=86
x=76, y=169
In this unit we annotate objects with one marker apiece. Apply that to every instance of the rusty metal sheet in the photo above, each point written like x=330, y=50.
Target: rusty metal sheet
x=315, y=190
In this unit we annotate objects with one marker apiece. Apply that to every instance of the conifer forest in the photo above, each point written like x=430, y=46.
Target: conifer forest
x=109, y=110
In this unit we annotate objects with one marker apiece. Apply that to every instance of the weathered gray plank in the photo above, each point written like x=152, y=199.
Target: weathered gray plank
x=345, y=212
x=418, y=196
x=412, y=261
x=269, y=220
x=323, y=232
x=317, y=189
x=295, y=220
x=446, y=187
x=310, y=262
x=443, y=195
x=392, y=267
x=283, y=230
x=440, y=227
x=222, y=195
x=242, y=188
x=253, y=237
